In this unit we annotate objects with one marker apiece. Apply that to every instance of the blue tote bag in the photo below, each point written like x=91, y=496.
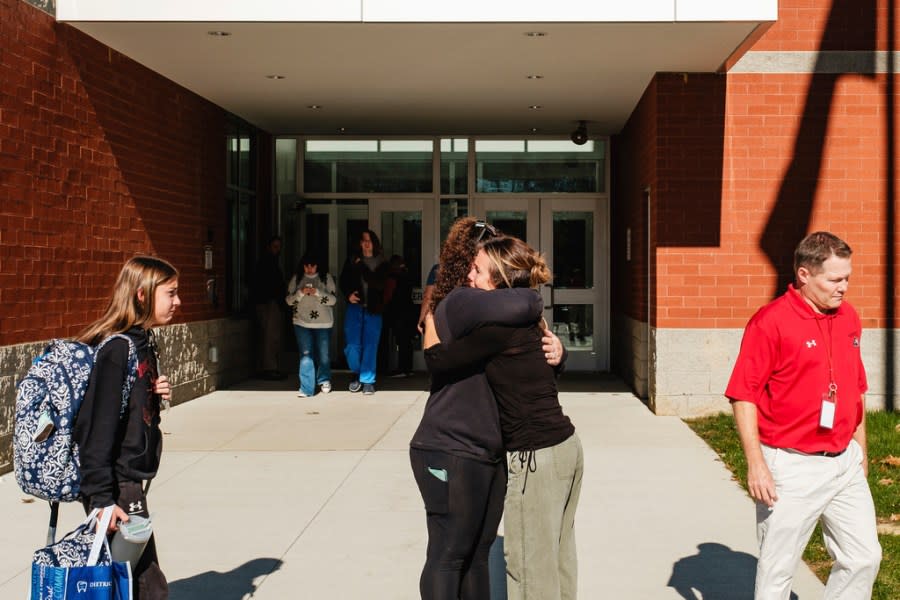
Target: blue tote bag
x=79, y=566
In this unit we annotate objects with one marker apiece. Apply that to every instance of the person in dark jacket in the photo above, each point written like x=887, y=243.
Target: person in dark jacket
x=362, y=282
x=119, y=452
x=544, y=455
x=267, y=293
x=456, y=453
x=400, y=315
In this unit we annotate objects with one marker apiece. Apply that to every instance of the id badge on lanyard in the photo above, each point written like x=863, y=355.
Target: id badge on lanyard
x=829, y=403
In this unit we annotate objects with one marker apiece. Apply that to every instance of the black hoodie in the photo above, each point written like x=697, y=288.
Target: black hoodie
x=117, y=448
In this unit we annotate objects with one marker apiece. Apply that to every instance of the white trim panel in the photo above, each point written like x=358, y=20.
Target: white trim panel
x=213, y=11
x=417, y=11
x=517, y=11
x=726, y=10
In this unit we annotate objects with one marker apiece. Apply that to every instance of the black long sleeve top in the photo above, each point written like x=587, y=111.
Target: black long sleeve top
x=461, y=415
x=115, y=447
x=524, y=384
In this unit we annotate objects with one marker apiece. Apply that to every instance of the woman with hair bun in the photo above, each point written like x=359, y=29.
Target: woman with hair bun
x=544, y=455
x=456, y=453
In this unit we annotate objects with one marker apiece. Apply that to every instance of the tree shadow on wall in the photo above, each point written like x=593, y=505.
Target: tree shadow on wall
x=851, y=26
x=237, y=584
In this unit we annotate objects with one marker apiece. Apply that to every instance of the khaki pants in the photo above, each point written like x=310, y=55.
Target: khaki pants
x=810, y=488
x=539, y=522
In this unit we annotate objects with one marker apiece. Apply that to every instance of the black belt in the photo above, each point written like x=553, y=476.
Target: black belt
x=828, y=454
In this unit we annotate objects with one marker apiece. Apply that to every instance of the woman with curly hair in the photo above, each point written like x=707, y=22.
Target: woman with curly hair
x=544, y=454
x=457, y=453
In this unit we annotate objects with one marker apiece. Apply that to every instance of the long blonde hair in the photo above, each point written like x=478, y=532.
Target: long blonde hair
x=515, y=264
x=124, y=311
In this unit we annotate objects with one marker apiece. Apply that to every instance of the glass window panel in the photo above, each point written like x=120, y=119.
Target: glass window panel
x=286, y=166
x=574, y=325
x=539, y=166
x=499, y=146
x=313, y=146
x=510, y=222
x=401, y=233
x=406, y=146
x=573, y=243
x=451, y=210
x=368, y=166
x=245, y=176
x=454, y=166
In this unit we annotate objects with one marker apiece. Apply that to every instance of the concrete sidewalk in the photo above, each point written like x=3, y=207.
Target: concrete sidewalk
x=267, y=495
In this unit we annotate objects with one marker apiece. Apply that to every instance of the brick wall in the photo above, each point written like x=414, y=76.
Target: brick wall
x=100, y=159
x=743, y=165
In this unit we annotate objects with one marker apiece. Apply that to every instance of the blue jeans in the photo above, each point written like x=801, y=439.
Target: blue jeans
x=362, y=331
x=315, y=361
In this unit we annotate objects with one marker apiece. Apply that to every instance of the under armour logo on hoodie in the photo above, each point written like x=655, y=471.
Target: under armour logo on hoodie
x=134, y=507
x=811, y=343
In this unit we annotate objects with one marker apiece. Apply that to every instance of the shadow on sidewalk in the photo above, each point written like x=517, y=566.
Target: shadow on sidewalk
x=716, y=572
x=236, y=584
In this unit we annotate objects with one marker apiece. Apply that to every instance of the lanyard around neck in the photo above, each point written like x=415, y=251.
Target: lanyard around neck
x=829, y=344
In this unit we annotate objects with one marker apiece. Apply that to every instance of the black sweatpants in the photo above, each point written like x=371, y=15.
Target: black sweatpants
x=463, y=505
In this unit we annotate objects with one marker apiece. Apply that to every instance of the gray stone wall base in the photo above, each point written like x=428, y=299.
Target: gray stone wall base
x=185, y=357
x=630, y=349
x=688, y=369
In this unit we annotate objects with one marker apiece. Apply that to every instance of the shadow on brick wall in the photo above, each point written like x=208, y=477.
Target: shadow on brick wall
x=851, y=26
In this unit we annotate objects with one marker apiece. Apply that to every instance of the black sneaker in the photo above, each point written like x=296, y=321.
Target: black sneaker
x=355, y=386
x=368, y=389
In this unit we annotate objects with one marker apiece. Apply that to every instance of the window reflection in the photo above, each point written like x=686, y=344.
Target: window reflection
x=574, y=325
x=510, y=222
x=401, y=233
x=573, y=244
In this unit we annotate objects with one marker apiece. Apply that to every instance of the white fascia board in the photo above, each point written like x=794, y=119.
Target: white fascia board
x=726, y=10
x=518, y=11
x=572, y=11
x=237, y=11
x=418, y=11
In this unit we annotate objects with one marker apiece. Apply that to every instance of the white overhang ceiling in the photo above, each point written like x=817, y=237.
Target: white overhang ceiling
x=447, y=78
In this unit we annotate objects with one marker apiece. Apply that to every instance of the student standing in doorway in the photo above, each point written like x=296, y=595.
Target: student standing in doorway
x=362, y=283
x=311, y=294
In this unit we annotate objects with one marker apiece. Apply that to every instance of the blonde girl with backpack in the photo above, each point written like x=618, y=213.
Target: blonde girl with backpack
x=120, y=452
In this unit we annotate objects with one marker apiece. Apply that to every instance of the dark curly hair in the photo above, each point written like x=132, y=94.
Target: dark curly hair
x=457, y=255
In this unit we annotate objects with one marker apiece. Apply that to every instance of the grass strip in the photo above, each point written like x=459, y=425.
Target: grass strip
x=883, y=430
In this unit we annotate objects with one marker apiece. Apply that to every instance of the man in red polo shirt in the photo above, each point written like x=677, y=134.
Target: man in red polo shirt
x=797, y=391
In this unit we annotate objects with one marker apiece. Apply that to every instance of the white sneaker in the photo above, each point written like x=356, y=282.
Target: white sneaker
x=302, y=394
x=325, y=387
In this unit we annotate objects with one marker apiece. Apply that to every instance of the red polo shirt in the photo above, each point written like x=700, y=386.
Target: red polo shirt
x=782, y=368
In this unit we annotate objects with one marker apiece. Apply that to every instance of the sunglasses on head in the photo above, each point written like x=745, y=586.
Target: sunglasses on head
x=484, y=228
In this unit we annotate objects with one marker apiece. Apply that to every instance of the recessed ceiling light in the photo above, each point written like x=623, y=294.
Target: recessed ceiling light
x=535, y=107
x=534, y=130
x=342, y=129
x=219, y=33
x=314, y=106
x=535, y=76
x=275, y=77
x=536, y=33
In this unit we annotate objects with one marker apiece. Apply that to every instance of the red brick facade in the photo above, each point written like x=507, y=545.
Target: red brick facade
x=741, y=166
x=100, y=159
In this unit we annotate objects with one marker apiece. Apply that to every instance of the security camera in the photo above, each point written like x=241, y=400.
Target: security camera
x=580, y=135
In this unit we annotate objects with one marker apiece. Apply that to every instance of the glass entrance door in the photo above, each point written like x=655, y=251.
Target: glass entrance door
x=573, y=235
x=404, y=226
